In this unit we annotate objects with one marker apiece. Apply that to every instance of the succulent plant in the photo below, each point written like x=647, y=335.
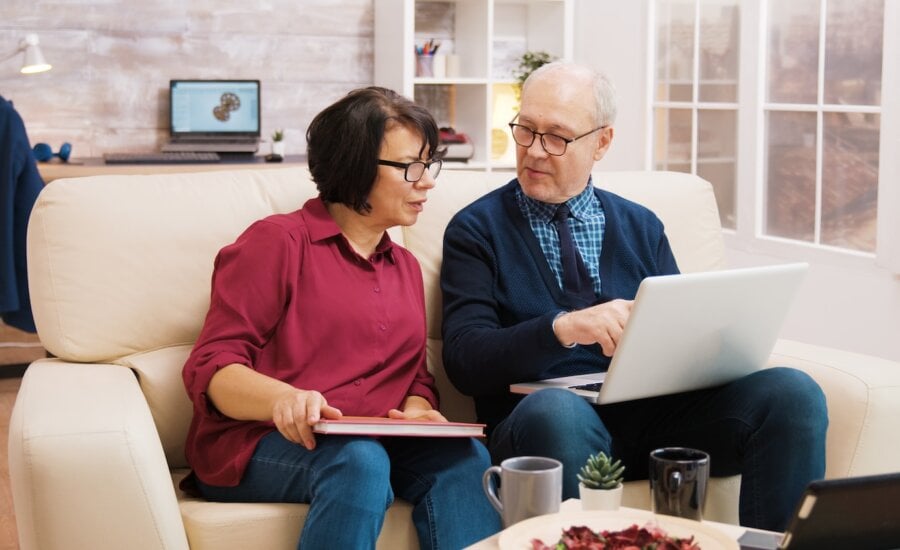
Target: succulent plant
x=278, y=135
x=601, y=472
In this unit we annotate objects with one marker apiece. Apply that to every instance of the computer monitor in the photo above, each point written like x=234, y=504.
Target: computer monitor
x=213, y=108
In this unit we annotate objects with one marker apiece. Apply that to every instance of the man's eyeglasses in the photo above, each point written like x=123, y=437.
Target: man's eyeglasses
x=554, y=145
x=413, y=171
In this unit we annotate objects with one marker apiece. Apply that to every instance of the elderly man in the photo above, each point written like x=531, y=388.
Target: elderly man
x=519, y=305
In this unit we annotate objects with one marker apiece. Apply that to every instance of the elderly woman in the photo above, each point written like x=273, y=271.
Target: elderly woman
x=316, y=314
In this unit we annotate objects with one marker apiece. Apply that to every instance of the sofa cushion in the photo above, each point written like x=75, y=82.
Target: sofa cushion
x=129, y=270
x=159, y=375
x=239, y=526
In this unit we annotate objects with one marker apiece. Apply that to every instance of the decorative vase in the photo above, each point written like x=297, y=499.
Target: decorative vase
x=600, y=499
x=278, y=148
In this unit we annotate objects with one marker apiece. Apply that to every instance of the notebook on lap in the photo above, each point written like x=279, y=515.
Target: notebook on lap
x=691, y=331
x=217, y=116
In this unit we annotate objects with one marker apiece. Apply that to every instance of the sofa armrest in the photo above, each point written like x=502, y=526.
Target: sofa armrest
x=863, y=395
x=86, y=464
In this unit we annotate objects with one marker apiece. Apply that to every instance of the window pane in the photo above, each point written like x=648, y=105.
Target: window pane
x=793, y=51
x=791, y=175
x=674, y=50
x=850, y=180
x=673, y=140
x=853, y=42
x=720, y=24
x=716, y=162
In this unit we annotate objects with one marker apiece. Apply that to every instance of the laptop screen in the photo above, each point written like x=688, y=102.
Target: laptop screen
x=214, y=108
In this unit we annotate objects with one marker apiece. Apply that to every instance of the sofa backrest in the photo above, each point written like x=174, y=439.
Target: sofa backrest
x=120, y=266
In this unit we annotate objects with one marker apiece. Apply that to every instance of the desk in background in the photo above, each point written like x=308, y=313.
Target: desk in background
x=77, y=168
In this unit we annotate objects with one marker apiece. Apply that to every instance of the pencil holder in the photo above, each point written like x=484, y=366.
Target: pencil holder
x=425, y=65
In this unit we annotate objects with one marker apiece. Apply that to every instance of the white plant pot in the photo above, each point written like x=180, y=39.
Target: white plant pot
x=600, y=499
x=278, y=148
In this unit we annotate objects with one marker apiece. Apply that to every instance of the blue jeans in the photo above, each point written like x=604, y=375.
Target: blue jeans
x=350, y=482
x=768, y=426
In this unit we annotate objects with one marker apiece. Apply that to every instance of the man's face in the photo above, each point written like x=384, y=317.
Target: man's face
x=562, y=103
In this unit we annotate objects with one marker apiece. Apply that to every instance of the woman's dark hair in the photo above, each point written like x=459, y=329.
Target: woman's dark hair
x=343, y=142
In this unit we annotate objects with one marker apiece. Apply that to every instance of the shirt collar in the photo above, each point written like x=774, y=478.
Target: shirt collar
x=322, y=227
x=582, y=206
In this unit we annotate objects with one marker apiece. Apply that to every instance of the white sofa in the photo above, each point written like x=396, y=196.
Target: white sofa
x=119, y=274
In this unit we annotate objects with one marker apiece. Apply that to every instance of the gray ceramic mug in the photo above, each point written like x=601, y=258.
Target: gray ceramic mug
x=678, y=478
x=529, y=486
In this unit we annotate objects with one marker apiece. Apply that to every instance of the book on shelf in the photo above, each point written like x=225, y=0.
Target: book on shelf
x=377, y=426
x=456, y=146
x=458, y=151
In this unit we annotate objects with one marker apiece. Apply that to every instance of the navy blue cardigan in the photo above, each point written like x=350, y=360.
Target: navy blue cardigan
x=500, y=297
x=20, y=183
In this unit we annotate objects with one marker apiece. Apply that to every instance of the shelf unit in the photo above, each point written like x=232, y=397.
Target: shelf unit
x=485, y=38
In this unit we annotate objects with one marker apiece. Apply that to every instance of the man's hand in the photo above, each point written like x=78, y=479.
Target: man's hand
x=601, y=324
x=295, y=412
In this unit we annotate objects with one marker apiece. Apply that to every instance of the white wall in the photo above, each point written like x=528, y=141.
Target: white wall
x=847, y=302
x=610, y=36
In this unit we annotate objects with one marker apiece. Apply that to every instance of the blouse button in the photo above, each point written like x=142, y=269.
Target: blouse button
x=381, y=327
x=357, y=382
x=377, y=289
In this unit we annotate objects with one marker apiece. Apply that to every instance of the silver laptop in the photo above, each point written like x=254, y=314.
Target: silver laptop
x=214, y=116
x=691, y=331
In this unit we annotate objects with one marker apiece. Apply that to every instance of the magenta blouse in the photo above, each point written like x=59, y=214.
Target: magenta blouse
x=292, y=300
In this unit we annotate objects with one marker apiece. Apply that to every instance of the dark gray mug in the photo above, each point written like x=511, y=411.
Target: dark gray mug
x=529, y=486
x=678, y=478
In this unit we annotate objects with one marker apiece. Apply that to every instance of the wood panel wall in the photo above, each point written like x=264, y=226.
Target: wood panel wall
x=112, y=61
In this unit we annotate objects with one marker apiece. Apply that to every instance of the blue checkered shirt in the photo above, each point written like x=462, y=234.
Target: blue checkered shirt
x=588, y=222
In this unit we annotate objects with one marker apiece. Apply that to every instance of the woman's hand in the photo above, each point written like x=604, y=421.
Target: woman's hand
x=417, y=408
x=241, y=393
x=295, y=412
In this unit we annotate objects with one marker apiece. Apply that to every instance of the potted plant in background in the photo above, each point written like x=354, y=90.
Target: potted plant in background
x=600, y=486
x=278, y=143
x=527, y=65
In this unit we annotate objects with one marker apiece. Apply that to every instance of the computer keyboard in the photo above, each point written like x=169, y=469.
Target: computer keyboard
x=179, y=157
x=593, y=386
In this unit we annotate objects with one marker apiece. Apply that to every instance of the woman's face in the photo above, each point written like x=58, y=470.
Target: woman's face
x=394, y=200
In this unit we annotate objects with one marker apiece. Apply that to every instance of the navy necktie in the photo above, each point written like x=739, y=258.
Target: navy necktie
x=576, y=280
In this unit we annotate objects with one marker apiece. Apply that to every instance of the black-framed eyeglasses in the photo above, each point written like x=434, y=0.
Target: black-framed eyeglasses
x=554, y=145
x=413, y=171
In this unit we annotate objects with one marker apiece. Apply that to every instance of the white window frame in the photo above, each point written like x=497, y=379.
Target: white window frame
x=750, y=194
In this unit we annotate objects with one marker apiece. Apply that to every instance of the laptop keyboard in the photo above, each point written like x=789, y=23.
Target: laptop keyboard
x=170, y=157
x=594, y=386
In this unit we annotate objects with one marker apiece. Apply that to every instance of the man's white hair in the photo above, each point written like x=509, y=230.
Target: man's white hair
x=604, y=91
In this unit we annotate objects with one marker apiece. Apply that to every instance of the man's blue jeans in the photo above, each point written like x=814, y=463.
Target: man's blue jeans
x=768, y=426
x=350, y=482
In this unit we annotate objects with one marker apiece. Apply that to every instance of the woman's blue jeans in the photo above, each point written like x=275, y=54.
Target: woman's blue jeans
x=350, y=482
x=768, y=426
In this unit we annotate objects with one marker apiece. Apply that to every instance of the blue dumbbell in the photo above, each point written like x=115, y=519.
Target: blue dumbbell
x=43, y=152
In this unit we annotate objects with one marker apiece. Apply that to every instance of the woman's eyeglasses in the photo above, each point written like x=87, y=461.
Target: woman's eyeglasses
x=413, y=171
